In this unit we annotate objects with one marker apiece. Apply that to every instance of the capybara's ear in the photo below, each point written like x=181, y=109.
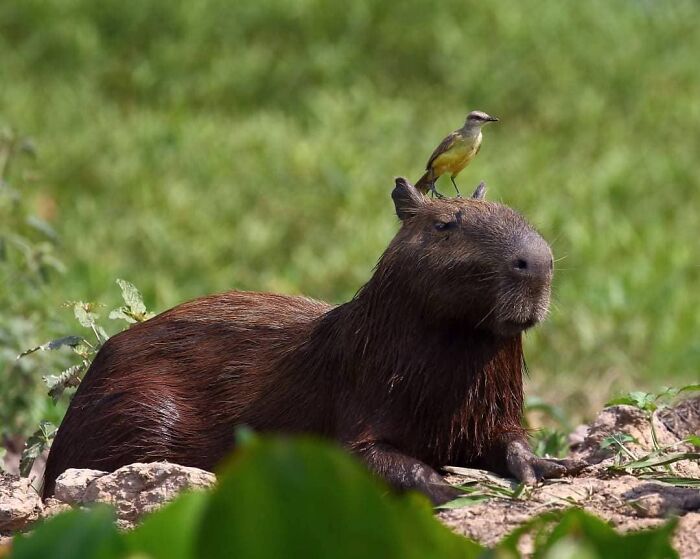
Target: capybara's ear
x=407, y=200
x=480, y=192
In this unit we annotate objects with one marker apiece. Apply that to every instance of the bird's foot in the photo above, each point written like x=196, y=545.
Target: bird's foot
x=435, y=194
x=459, y=195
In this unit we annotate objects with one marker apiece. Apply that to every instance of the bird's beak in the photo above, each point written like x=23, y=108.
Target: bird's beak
x=492, y=119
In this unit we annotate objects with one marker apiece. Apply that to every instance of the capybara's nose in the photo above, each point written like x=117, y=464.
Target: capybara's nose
x=533, y=261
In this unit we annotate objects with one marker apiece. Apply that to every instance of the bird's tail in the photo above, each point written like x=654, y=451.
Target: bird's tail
x=426, y=182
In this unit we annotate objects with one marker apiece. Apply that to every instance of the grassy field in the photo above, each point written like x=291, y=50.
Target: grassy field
x=193, y=147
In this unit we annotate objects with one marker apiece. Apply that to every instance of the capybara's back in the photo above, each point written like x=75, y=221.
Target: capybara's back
x=174, y=388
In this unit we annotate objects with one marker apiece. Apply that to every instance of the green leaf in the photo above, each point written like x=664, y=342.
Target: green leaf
x=465, y=501
x=598, y=538
x=641, y=400
x=132, y=297
x=69, y=341
x=122, y=314
x=617, y=439
x=676, y=481
x=134, y=309
x=282, y=498
x=84, y=349
x=70, y=377
x=101, y=334
x=577, y=534
x=84, y=314
x=35, y=445
x=170, y=532
x=77, y=534
x=549, y=442
x=662, y=460
x=244, y=435
x=693, y=439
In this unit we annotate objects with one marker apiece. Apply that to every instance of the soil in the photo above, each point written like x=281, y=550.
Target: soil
x=627, y=502
x=628, y=498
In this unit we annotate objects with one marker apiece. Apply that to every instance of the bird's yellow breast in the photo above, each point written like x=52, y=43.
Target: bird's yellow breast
x=457, y=157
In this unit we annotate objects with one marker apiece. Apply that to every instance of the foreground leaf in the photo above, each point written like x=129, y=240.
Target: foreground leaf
x=599, y=538
x=280, y=498
x=575, y=534
x=170, y=533
x=77, y=534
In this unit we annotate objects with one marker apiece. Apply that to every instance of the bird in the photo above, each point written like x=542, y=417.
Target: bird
x=455, y=152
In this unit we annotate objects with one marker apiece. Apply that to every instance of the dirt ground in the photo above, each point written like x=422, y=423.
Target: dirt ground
x=628, y=502
x=663, y=483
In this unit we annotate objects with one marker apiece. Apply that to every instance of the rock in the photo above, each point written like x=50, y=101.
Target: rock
x=683, y=419
x=20, y=504
x=133, y=490
x=71, y=484
x=627, y=502
x=621, y=419
x=686, y=539
x=655, y=500
x=137, y=489
x=577, y=437
x=52, y=507
x=671, y=426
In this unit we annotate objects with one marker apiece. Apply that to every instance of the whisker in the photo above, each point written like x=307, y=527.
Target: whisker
x=555, y=305
x=555, y=240
x=486, y=316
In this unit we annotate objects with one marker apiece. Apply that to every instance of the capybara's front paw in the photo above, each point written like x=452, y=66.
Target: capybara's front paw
x=443, y=493
x=529, y=468
x=438, y=490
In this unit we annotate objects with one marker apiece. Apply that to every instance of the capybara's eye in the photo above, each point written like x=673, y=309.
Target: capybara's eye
x=445, y=225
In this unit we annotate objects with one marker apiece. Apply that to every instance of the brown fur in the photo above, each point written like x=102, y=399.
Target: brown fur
x=423, y=367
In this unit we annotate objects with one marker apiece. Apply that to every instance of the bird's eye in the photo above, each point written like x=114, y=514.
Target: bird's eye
x=445, y=225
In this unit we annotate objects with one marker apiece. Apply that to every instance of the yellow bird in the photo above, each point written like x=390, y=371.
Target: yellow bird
x=455, y=152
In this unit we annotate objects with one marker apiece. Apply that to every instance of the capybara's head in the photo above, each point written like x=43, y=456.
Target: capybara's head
x=469, y=261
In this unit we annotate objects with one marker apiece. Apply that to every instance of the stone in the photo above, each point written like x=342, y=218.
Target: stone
x=138, y=489
x=71, y=484
x=20, y=504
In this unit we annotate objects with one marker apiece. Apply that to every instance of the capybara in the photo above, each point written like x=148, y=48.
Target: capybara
x=421, y=369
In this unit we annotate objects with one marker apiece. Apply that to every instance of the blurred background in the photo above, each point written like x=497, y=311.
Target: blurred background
x=194, y=147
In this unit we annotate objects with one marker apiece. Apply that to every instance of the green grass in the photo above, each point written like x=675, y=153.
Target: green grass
x=193, y=147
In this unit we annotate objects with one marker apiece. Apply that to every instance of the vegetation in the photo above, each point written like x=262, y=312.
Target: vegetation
x=28, y=262
x=653, y=465
x=272, y=501
x=132, y=311
x=194, y=147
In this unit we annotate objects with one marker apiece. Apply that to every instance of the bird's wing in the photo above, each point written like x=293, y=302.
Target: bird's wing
x=446, y=144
